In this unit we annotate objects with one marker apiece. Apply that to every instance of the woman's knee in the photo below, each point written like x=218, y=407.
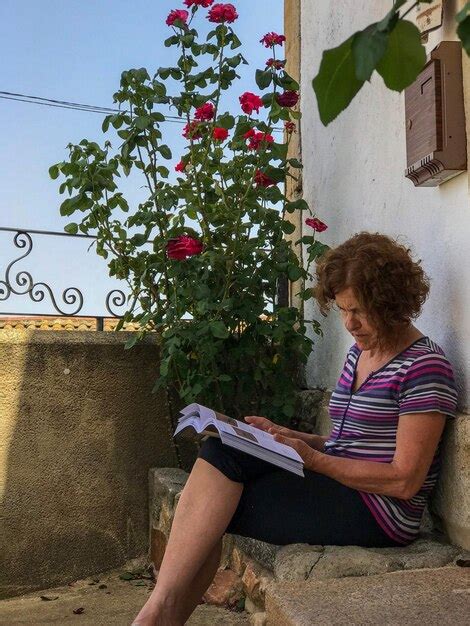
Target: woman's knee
x=221, y=457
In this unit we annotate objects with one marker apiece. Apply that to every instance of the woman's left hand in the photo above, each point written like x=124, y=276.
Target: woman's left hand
x=310, y=457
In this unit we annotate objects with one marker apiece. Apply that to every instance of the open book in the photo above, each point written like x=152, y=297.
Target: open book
x=239, y=435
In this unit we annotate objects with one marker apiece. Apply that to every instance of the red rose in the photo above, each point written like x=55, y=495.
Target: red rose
x=250, y=102
x=222, y=13
x=278, y=65
x=290, y=127
x=179, y=167
x=192, y=130
x=288, y=98
x=199, y=3
x=220, y=134
x=183, y=247
x=177, y=14
x=205, y=112
x=263, y=180
x=316, y=224
x=272, y=39
x=256, y=139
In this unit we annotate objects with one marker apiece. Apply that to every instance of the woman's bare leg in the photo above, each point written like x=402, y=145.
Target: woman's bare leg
x=202, y=580
x=206, y=506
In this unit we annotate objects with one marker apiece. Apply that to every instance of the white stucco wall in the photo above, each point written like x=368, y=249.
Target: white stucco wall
x=354, y=180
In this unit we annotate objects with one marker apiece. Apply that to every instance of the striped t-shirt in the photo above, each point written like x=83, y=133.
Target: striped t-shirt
x=418, y=380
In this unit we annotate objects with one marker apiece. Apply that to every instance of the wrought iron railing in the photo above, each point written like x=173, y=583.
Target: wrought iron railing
x=23, y=283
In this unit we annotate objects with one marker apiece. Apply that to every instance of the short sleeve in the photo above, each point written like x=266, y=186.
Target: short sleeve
x=429, y=386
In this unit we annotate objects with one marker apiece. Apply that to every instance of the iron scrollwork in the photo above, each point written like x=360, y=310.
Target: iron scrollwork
x=23, y=283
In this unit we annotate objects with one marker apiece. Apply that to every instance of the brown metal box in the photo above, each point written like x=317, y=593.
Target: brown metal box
x=436, y=147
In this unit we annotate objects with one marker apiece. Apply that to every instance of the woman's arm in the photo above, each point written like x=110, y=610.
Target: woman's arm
x=417, y=439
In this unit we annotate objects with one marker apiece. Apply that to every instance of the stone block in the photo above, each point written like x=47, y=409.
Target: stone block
x=258, y=619
x=302, y=562
x=158, y=542
x=417, y=597
x=451, y=498
x=165, y=486
x=262, y=552
x=225, y=590
x=255, y=581
x=296, y=561
x=238, y=559
x=252, y=607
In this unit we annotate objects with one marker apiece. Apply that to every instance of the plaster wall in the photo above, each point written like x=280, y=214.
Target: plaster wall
x=354, y=180
x=79, y=431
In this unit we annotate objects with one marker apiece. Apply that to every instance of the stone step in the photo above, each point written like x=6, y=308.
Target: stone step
x=258, y=564
x=415, y=597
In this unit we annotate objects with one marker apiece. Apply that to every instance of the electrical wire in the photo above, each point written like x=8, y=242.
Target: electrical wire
x=90, y=108
x=7, y=95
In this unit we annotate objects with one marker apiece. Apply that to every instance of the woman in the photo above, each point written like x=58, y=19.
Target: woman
x=368, y=482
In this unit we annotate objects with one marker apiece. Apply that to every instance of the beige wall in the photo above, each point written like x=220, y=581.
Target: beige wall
x=79, y=430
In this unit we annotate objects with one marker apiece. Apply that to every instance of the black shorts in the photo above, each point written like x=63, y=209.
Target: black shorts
x=280, y=507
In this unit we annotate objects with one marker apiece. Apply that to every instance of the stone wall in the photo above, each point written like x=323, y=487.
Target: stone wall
x=79, y=430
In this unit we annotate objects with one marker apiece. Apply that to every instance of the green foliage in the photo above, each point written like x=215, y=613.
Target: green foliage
x=404, y=58
x=336, y=83
x=392, y=47
x=463, y=28
x=226, y=341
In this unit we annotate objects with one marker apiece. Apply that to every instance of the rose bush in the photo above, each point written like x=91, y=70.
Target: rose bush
x=204, y=255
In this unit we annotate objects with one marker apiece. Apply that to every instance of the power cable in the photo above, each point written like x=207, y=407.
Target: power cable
x=90, y=108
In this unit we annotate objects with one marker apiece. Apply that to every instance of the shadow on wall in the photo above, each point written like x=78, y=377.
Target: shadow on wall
x=81, y=429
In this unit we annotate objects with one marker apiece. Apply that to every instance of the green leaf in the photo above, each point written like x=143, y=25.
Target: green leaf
x=404, y=58
x=463, y=29
x=54, y=172
x=294, y=272
x=336, y=83
x=263, y=78
x=318, y=249
x=219, y=330
x=164, y=151
x=129, y=343
x=288, y=227
x=296, y=205
x=71, y=228
x=138, y=239
x=368, y=48
x=143, y=121
x=278, y=150
x=236, y=43
x=226, y=121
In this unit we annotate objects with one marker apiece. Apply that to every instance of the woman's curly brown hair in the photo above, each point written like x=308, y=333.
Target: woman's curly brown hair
x=388, y=284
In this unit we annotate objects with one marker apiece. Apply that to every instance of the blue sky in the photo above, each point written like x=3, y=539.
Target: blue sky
x=75, y=50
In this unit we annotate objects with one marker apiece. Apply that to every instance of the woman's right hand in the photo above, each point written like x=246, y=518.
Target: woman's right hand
x=259, y=422
x=270, y=427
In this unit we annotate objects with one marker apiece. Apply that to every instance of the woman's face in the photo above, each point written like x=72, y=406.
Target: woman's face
x=355, y=320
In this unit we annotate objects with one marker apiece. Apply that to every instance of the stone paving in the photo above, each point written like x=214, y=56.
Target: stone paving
x=103, y=600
